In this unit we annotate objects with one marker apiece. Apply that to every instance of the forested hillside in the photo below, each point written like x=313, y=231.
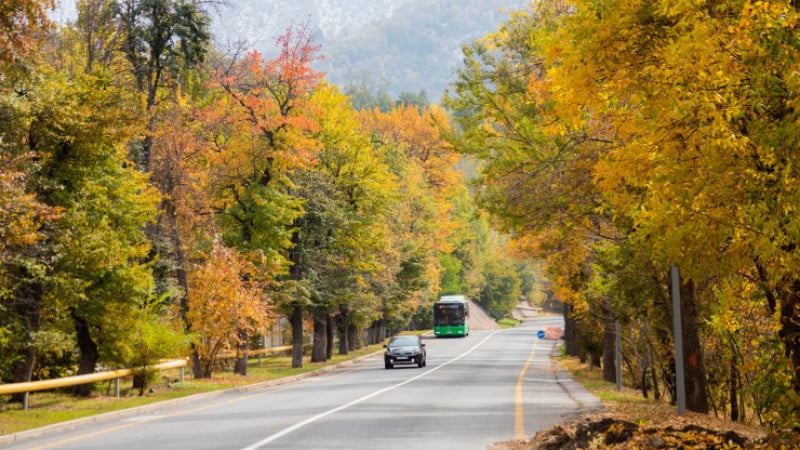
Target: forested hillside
x=397, y=45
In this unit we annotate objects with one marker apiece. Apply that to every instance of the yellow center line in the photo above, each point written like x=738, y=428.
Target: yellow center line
x=519, y=421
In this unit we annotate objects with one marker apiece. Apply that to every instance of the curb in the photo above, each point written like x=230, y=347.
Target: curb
x=586, y=401
x=155, y=406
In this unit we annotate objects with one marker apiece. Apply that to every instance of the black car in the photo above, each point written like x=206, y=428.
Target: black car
x=406, y=349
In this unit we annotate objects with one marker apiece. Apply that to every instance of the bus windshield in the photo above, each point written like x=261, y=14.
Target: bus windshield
x=448, y=315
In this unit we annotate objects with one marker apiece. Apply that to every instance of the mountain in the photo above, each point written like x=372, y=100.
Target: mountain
x=402, y=45
x=406, y=45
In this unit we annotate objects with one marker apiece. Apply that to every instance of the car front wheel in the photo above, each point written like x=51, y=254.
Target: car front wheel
x=388, y=365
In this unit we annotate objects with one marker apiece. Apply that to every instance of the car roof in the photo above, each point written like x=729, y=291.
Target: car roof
x=405, y=337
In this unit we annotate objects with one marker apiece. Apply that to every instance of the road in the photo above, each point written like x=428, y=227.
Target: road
x=491, y=386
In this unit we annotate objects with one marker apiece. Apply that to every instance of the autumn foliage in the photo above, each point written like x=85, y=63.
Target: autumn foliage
x=157, y=191
x=226, y=303
x=623, y=137
x=154, y=186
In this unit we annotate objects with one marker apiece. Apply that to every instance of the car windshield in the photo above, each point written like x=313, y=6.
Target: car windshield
x=402, y=341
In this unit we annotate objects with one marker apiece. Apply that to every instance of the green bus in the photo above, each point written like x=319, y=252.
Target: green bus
x=451, y=316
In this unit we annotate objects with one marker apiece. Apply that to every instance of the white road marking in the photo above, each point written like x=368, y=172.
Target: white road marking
x=313, y=419
x=142, y=418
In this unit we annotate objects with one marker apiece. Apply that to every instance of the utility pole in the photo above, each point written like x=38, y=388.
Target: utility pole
x=680, y=383
x=619, y=354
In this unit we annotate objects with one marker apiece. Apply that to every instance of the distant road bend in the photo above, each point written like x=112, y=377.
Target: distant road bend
x=493, y=385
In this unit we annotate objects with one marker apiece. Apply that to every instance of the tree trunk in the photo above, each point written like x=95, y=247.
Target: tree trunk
x=329, y=328
x=29, y=298
x=88, y=351
x=381, y=329
x=693, y=365
x=609, y=344
x=377, y=332
x=23, y=372
x=788, y=295
x=320, y=345
x=180, y=259
x=734, y=390
x=352, y=337
x=297, y=336
x=242, y=353
x=656, y=389
x=668, y=375
x=571, y=346
x=197, y=364
x=790, y=330
x=344, y=321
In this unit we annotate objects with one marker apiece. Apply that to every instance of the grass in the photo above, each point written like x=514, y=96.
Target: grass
x=592, y=380
x=50, y=407
x=508, y=322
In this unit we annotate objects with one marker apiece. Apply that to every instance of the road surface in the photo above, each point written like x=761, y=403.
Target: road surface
x=493, y=385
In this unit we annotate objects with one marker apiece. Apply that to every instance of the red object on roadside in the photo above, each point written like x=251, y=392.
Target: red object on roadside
x=553, y=333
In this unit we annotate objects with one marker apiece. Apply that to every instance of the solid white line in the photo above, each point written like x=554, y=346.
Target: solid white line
x=310, y=420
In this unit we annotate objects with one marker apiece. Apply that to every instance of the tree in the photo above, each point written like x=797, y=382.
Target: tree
x=685, y=138
x=537, y=178
x=21, y=218
x=227, y=305
x=273, y=101
x=499, y=287
x=352, y=233
x=22, y=24
x=99, y=33
x=418, y=99
x=160, y=37
x=418, y=154
x=367, y=93
x=83, y=267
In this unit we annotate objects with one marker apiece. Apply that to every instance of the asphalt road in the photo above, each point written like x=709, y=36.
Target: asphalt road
x=491, y=386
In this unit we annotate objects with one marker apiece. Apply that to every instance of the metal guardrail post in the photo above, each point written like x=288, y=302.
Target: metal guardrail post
x=26, y=400
x=183, y=371
x=116, y=387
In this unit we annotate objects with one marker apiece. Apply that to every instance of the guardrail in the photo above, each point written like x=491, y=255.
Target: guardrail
x=116, y=375
x=43, y=385
x=259, y=352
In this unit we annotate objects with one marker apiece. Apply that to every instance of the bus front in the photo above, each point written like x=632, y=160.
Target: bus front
x=449, y=319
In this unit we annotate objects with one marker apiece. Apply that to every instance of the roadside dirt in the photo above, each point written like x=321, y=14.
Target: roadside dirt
x=616, y=433
x=625, y=425
x=479, y=319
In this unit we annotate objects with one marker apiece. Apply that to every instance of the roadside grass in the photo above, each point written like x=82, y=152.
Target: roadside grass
x=51, y=407
x=592, y=380
x=508, y=322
